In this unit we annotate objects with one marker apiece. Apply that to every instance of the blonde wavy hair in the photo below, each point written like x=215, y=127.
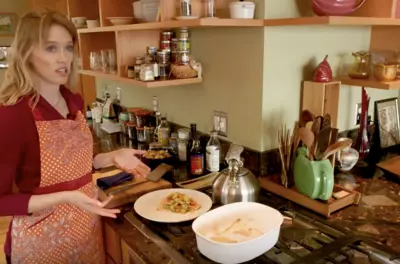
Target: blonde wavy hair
x=32, y=30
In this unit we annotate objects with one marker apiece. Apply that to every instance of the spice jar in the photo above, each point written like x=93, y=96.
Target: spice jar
x=131, y=72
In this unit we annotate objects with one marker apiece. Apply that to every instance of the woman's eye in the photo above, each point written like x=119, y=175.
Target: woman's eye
x=51, y=48
x=70, y=48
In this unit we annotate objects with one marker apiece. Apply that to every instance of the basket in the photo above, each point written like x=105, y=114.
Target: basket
x=183, y=71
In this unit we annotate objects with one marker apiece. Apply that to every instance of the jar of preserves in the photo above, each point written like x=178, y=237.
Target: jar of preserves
x=165, y=45
x=184, y=33
x=166, y=35
x=184, y=44
x=174, y=44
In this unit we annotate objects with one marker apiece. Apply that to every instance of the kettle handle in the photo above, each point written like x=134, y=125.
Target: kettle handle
x=234, y=154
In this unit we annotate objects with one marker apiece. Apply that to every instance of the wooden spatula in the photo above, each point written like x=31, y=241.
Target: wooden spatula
x=338, y=146
x=308, y=139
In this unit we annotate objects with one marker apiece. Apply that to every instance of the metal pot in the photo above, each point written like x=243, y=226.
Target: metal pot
x=235, y=183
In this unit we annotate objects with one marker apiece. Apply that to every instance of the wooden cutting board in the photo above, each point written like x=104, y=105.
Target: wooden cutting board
x=391, y=165
x=132, y=194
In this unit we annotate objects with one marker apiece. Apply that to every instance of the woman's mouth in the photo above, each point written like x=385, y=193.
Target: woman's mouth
x=62, y=71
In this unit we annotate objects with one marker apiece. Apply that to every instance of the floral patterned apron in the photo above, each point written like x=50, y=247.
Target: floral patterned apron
x=64, y=233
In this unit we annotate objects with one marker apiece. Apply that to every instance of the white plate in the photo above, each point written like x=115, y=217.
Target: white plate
x=186, y=17
x=148, y=206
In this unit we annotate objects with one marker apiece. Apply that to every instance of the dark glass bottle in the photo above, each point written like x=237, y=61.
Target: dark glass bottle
x=193, y=135
x=196, y=159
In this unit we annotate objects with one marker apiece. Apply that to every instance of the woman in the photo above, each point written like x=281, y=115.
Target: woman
x=46, y=150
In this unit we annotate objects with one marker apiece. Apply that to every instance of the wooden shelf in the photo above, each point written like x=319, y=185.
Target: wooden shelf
x=155, y=84
x=371, y=83
x=203, y=22
x=333, y=21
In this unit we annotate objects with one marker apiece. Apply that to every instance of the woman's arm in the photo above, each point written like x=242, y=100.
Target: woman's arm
x=77, y=198
x=125, y=159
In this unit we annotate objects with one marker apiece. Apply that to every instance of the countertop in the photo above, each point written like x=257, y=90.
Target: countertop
x=377, y=216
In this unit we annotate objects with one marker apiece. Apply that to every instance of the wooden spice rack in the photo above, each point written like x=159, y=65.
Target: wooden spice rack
x=271, y=184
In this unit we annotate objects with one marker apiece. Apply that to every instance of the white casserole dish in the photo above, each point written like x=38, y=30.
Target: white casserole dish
x=266, y=219
x=242, y=10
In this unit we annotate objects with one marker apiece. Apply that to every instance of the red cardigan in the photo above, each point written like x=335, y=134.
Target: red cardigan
x=20, y=150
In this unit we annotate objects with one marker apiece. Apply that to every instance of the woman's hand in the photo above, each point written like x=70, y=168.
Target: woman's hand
x=91, y=205
x=126, y=160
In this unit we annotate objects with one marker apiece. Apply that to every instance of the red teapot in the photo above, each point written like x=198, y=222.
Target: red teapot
x=336, y=7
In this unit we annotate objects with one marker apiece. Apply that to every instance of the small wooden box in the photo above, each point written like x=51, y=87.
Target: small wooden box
x=326, y=209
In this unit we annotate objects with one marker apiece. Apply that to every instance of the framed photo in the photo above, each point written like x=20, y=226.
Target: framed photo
x=387, y=118
x=8, y=23
x=4, y=51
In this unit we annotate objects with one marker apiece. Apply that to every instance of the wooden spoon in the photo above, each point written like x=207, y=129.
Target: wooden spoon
x=306, y=116
x=338, y=146
x=308, y=139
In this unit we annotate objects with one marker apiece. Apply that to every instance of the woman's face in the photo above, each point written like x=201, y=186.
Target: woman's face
x=52, y=60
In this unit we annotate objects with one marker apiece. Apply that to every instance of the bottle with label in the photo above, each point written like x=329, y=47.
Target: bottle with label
x=213, y=150
x=196, y=159
x=164, y=132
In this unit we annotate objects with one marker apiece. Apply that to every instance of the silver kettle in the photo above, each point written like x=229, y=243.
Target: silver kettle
x=235, y=183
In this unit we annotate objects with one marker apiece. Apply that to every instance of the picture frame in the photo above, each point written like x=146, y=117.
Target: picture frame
x=387, y=119
x=4, y=52
x=8, y=24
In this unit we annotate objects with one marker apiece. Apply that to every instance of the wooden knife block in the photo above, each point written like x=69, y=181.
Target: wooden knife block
x=130, y=195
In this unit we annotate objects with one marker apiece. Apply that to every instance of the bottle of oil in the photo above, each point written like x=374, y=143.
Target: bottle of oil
x=196, y=158
x=164, y=132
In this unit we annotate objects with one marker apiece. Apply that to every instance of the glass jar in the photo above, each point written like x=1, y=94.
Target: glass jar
x=149, y=134
x=146, y=73
x=131, y=129
x=131, y=72
x=140, y=135
x=361, y=68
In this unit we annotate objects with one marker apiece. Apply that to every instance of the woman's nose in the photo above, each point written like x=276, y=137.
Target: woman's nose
x=62, y=56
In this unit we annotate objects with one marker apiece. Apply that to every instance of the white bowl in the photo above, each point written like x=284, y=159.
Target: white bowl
x=242, y=10
x=93, y=23
x=262, y=217
x=79, y=21
x=117, y=21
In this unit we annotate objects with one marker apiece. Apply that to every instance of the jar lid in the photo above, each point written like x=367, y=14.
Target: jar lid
x=184, y=39
x=140, y=128
x=131, y=67
x=183, y=133
x=165, y=41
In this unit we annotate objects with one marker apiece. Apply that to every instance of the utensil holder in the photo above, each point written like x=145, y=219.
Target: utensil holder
x=313, y=178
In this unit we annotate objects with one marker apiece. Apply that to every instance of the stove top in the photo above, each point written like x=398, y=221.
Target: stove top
x=303, y=239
